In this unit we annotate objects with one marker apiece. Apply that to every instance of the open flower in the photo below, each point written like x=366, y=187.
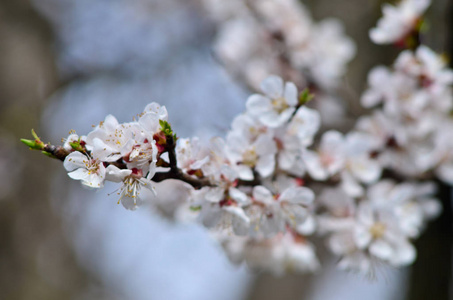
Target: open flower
x=133, y=182
x=277, y=105
x=83, y=167
x=270, y=213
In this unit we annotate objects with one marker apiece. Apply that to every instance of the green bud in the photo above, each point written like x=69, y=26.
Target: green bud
x=76, y=146
x=48, y=154
x=305, y=96
x=30, y=144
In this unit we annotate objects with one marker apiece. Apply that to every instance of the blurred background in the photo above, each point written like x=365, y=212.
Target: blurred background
x=65, y=65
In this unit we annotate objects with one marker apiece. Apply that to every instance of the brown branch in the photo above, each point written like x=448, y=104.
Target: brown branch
x=57, y=152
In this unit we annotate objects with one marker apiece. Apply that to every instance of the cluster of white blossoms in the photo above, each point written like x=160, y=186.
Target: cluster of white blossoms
x=135, y=146
x=268, y=188
x=254, y=40
x=411, y=121
x=275, y=184
x=399, y=21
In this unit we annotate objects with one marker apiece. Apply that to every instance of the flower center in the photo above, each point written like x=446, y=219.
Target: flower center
x=377, y=230
x=92, y=166
x=250, y=157
x=279, y=104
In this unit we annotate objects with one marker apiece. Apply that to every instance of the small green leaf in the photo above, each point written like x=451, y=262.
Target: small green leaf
x=34, y=134
x=166, y=128
x=195, y=208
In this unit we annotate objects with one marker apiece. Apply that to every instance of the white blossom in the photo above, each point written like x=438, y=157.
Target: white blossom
x=89, y=170
x=398, y=21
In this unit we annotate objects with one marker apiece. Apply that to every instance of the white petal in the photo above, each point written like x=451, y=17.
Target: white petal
x=298, y=195
x=262, y=194
x=115, y=174
x=238, y=212
x=314, y=166
x=75, y=160
x=362, y=236
x=238, y=195
x=79, y=174
x=150, y=122
x=244, y=172
x=272, y=86
x=381, y=249
x=405, y=254
x=266, y=165
x=257, y=105
x=291, y=94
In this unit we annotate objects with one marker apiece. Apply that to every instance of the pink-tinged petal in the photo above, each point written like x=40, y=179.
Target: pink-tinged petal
x=263, y=195
x=298, y=195
x=272, y=86
x=266, y=165
x=257, y=104
x=291, y=94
